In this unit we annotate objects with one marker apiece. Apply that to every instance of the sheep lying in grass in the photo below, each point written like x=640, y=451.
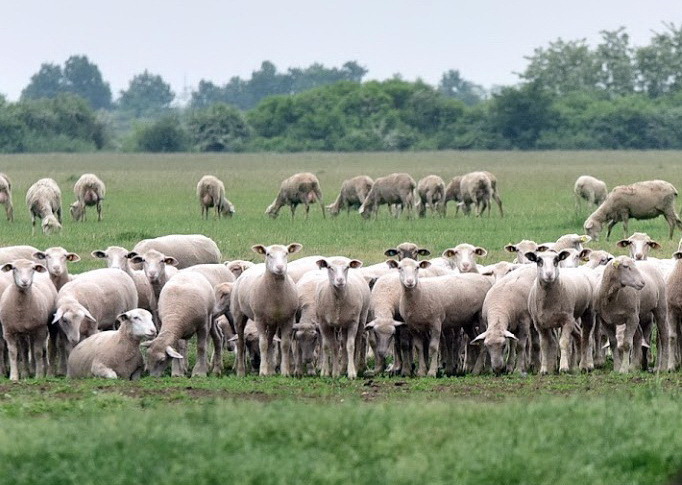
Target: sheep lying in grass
x=6, y=196
x=396, y=188
x=44, y=201
x=431, y=193
x=115, y=353
x=353, y=193
x=301, y=188
x=591, y=189
x=89, y=190
x=211, y=193
x=641, y=200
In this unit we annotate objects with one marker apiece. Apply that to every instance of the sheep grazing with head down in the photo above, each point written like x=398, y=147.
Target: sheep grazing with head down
x=44, y=201
x=89, y=191
x=431, y=194
x=476, y=190
x=396, y=188
x=301, y=188
x=353, y=193
x=591, y=189
x=211, y=193
x=6, y=196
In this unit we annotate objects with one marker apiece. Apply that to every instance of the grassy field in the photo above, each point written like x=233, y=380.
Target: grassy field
x=599, y=428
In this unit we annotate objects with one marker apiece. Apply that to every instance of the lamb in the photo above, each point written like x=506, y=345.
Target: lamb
x=628, y=297
x=431, y=193
x=342, y=303
x=6, y=196
x=89, y=190
x=505, y=313
x=476, y=189
x=44, y=201
x=187, y=249
x=10, y=253
x=25, y=310
x=266, y=295
x=641, y=200
x=211, y=193
x=434, y=304
x=353, y=193
x=464, y=256
x=396, y=188
x=301, y=188
x=55, y=260
x=591, y=189
x=115, y=353
x=92, y=302
x=557, y=299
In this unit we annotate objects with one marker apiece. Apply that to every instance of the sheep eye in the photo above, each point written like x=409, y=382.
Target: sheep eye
x=539, y=262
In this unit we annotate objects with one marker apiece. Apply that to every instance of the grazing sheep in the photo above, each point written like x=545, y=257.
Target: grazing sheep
x=187, y=249
x=495, y=194
x=453, y=191
x=306, y=320
x=186, y=306
x=591, y=189
x=55, y=260
x=396, y=188
x=342, y=303
x=115, y=353
x=433, y=305
x=567, y=241
x=25, y=310
x=463, y=257
x=431, y=193
x=266, y=295
x=44, y=201
x=353, y=193
x=89, y=190
x=211, y=193
x=305, y=345
x=383, y=329
x=476, y=189
x=300, y=188
x=10, y=253
x=628, y=297
x=641, y=200
x=558, y=299
x=674, y=299
x=6, y=196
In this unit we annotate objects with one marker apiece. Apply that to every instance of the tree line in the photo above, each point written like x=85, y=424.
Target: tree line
x=570, y=96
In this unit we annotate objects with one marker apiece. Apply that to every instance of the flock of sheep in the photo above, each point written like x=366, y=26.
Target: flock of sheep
x=544, y=312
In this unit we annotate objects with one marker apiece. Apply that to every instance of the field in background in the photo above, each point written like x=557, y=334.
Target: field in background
x=599, y=428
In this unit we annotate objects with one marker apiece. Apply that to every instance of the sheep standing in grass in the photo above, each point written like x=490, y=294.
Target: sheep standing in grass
x=266, y=295
x=641, y=200
x=6, y=196
x=56, y=261
x=431, y=193
x=25, y=311
x=463, y=257
x=495, y=193
x=674, y=298
x=89, y=190
x=44, y=201
x=300, y=188
x=453, y=191
x=187, y=249
x=211, y=193
x=396, y=188
x=591, y=189
x=476, y=190
x=353, y=193
x=115, y=353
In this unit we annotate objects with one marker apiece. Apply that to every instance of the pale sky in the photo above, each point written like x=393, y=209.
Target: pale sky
x=187, y=41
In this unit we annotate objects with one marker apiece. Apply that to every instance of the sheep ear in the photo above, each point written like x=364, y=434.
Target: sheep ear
x=294, y=248
x=396, y=323
x=585, y=254
x=296, y=326
x=137, y=259
x=563, y=255
x=424, y=264
x=480, y=251
x=392, y=263
x=130, y=255
x=170, y=260
x=370, y=325
x=654, y=245
x=322, y=263
x=645, y=345
x=531, y=256
x=39, y=268
x=677, y=255
x=623, y=243
x=606, y=345
x=276, y=339
x=89, y=316
x=98, y=253
x=478, y=339
x=7, y=267
x=258, y=248
x=391, y=252
x=423, y=252
x=449, y=253
x=173, y=353
x=510, y=248
x=233, y=339
x=73, y=257
x=542, y=248
x=58, y=315
x=39, y=255
x=122, y=318
x=510, y=335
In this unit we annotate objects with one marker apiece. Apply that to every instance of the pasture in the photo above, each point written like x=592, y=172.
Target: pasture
x=599, y=428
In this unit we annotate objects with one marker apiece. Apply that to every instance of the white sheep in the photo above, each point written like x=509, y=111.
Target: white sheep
x=406, y=250
x=674, y=300
x=353, y=193
x=306, y=320
x=463, y=257
x=521, y=249
x=56, y=261
x=6, y=196
x=25, y=310
x=10, y=253
x=385, y=325
x=476, y=190
x=238, y=266
x=301, y=188
x=211, y=193
x=297, y=268
x=187, y=249
x=89, y=190
x=266, y=295
x=114, y=354
x=641, y=200
x=591, y=189
x=396, y=188
x=431, y=194
x=639, y=245
x=44, y=201
x=157, y=267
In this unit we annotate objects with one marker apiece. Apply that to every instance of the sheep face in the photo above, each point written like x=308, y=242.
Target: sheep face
x=276, y=256
x=141, y=323
x=464, y=257
x=23, y=271
x=548, y=264
x=307, y=336
x=75, y=320
x=496, y=343
x=639, y=245
x=599, y=258
x=238, y=266
x=272, y=211
x=500, y=269
x=77, y=211
x=154, y=264
x=408, y=269
x=50, y=225
x=521, y=249
x=116, y=257
x=593, y=228
x=159, y=356
x=56, y=259
x=222, y=293
x=381, y=332
x=627, y=273
x=407, y=250
x=338, y=271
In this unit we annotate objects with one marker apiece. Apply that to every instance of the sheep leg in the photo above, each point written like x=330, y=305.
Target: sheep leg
x=434, y=344
x=99, y=211
x=586, y=334
x=625, y=334
x=565, y=346
x=240, y=321
x=3, y=357
x=38, y=351
x=612, y=223
x=286, y=330
x=98, y=369
x=179, y=366
x=328, y=340
x=264, y=344
x=217, y=338
x=201, y=366
x=672, y=220
x=13, y=351
x=349, y=334
x=421, y=350
x=599, y=356
x=547, y=350
x=667, y=335
x=522, y=347
x=33, y=224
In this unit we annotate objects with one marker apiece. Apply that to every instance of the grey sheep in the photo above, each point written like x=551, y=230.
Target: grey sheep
x=431, y=194
x=6, y=196
x=301, y=188
x=353, y=193
x=396, y=188
x=591, y=189
x=89, y=190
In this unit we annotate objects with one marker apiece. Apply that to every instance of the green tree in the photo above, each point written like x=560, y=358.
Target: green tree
x=147, y=95
x=218, y=128
x=48, y=82
x=659, y=65
x=83, y=78
x=615, y=59
x=453, y=85
x=164, y=135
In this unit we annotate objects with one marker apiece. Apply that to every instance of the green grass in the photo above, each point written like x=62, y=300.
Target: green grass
x=598, y=428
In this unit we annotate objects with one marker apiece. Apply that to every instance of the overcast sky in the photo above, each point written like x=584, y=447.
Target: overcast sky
x=186, y=41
